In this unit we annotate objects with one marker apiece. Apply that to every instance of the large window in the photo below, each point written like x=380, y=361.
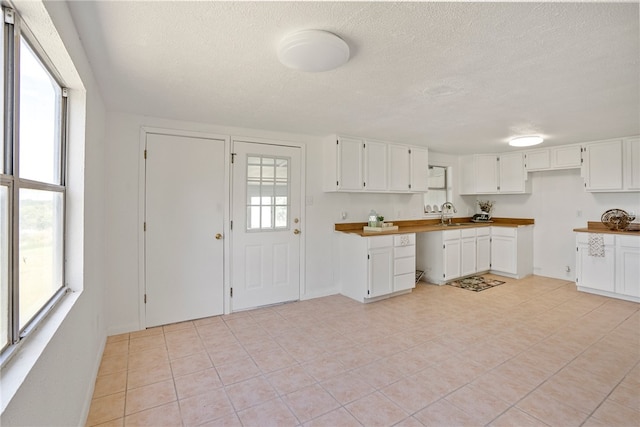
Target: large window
x=439, y=189
x=32, y=185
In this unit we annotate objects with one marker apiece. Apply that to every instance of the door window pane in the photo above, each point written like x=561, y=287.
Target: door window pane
x=267, y=193
x=4, y=268
x=40, y=250
x=39, y=120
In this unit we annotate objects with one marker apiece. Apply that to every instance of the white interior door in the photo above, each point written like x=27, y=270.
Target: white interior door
x=184, y=210
x=266, y=205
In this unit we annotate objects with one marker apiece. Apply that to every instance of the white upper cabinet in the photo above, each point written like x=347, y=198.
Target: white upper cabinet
x=375, y=166
x=493, y=174
x=358, y=165
x=419, y=169
x=562, y=157
x=602, y=169
x=632, y=164
x=399, y=173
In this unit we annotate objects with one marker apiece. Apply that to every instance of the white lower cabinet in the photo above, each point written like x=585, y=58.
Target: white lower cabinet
x=375, y=267
x=450, y=254
x=512, y=251
x=616, y=274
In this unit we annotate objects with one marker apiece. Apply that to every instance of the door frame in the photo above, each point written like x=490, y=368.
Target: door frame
x=303, y=210
x=144, y=131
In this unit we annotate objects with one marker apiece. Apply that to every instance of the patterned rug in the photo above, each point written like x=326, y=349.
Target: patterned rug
x=475, y=283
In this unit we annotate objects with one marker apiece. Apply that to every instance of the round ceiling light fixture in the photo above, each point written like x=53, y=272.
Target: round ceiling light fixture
x=313, y=51
x=526, y=141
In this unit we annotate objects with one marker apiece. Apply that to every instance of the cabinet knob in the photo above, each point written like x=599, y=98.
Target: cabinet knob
x=218, y=236
x=296, y=231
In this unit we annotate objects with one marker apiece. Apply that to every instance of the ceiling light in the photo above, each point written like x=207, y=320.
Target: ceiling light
x=313, y=50
x=526, y=141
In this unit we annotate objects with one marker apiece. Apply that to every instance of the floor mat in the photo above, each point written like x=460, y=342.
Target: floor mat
x=475, y=283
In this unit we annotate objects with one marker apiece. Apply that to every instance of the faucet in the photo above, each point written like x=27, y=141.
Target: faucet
x=447, y=210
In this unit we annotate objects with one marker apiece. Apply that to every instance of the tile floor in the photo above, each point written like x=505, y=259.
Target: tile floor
x=531, y=352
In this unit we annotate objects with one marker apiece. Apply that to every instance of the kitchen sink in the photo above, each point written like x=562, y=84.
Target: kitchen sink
x=457, y=224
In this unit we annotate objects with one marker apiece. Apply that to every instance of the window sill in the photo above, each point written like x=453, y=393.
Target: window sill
x=23, y=357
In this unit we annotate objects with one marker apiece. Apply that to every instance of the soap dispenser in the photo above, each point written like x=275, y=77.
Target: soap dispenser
x=373, y=218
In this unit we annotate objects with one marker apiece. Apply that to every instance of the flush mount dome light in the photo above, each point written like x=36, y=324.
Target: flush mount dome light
x=526, y=141
x=313, y=50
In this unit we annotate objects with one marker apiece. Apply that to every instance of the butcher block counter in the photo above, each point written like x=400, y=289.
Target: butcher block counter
x=426, y=225
x=598, y=227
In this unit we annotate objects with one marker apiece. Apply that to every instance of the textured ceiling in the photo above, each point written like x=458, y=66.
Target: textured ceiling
x=457, y=77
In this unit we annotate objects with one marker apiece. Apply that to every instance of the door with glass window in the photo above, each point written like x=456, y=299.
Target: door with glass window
x=266, y=194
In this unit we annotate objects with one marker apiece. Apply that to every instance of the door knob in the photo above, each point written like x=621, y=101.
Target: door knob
x=218, y=236
x=296, y=231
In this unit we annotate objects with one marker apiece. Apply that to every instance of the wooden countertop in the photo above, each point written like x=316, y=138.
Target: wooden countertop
x=598, y=227
x=427, y=225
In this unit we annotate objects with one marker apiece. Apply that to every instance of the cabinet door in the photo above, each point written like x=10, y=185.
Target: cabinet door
x=512, y=173
x=380, y=272
x=628, y=265
x=399, y=168
x=486, y=168
x=451, y=252
x=468, y=256
x=483, y=253
x=467, y=174
x=419, y=169
x=537, y=160
x=350, y=164
x=632, y=165
x=375, y=166
x=568, y=157
x=603, y=166
x=503, y=254
x=596, y=272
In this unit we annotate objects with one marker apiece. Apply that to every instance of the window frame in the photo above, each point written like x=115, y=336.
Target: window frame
x=13, y=34
x=447, y=188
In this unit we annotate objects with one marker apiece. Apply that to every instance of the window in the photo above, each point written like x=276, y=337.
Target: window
x=438, y=189
x=267, y=193
x=32, y=185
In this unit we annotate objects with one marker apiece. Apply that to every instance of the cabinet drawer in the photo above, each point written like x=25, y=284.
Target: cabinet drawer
x=404, y=281
x=504, y=231
x=629, y=241
x=450, y=234
x=404, y=266
x=404, y=239
x=483, y=231
x=380, y=242
x=468, y=232
x=609, y=239
x=404, y=251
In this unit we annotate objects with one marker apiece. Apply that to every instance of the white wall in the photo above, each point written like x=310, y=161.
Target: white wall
x=58, y=388
x=558, y=203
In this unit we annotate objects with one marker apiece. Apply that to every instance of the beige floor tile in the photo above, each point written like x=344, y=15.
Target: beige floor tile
x=347, y=388
x=197, y=383
x=206, y=407
x=225, y=354
x=480, y=405
x=310, y=402
x=113, y=423
x=150, y=396
x=551, y=411
x=113, y=364
x=237, y=371
x=444, y=414
x=178, y=327
x=324, y=367
x=106, y=408
x=147, y=358
x=582, y=399
x=147, y=332
x=250, y=393
x=290, y=379
x=339, y=417
x=354, y=357
x=376, y=410
x=165, y=415
x=273, y=360
x=409, y=422
x=227, y=421
x=149, y=375
x=144, y=343
x=378, y=374
x=190, y=364
x=272, y=413
x=628, y=395
x=116, y=338
x=411, y=394
x=508, y=389
x=615, y=414
x=110, y=384
x=116, y=348
x=515, y=417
